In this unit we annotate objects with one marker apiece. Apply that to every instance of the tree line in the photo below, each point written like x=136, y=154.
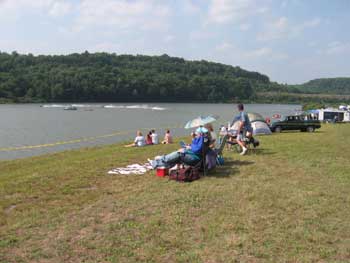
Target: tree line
x=103, y=77
x=326, y=86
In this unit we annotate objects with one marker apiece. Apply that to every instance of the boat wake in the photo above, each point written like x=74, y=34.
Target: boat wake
x=109, y=106
x=141, y=107
x=70, y=105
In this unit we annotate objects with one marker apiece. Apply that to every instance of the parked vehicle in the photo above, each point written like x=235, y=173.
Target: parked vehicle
x=296, y=122
x=334, y=115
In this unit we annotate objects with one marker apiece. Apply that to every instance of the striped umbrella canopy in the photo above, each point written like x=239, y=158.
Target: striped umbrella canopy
x=200, y=121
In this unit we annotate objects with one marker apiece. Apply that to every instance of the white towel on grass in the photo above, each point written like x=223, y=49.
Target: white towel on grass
x=132, y=169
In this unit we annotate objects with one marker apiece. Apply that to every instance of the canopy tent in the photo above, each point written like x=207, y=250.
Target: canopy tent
x=312, y=111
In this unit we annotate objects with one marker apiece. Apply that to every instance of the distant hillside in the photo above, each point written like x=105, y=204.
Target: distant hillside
x=118, y=78
x=329, y=86
x=103, y=77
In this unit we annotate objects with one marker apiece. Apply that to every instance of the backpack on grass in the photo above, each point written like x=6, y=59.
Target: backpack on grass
x=185, y=174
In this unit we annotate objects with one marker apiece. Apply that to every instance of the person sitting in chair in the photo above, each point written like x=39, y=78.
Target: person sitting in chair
x=190, y=155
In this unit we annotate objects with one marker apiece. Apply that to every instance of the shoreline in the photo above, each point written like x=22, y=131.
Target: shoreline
x=150, y=102
x=177, y=139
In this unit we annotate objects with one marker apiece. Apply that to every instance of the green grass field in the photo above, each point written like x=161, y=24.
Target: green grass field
x=289, y=201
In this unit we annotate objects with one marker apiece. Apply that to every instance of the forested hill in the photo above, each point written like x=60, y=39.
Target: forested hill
x=329, y=85
x=118, y=78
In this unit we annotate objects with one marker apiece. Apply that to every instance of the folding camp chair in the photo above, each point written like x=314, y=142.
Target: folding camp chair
x=251, y=144
x=219, y=150
x=208, y=154
x=222, y=145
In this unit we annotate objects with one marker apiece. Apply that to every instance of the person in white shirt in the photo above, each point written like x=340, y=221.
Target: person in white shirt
x=154, y=136
x=139, y=140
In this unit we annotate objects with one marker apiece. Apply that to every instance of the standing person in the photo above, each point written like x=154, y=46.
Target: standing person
x=244, y=128
x=167, y=138
x=154, y=136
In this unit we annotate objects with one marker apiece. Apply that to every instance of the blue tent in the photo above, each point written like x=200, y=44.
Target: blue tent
x=312, y=111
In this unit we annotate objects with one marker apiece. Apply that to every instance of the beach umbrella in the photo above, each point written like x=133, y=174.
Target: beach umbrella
x=200, y=121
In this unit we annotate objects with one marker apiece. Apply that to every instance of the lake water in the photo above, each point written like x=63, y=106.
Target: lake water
x=33, y=129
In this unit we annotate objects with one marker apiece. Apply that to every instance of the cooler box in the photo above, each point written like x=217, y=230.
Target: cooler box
x=162, y=171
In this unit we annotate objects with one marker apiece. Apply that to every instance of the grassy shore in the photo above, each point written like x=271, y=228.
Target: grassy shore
x=289, y=201
x=297, y=98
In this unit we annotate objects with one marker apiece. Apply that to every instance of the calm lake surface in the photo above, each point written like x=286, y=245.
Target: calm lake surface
x=34, y=129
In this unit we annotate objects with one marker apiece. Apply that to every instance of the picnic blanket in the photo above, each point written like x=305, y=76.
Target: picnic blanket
x=132, y=169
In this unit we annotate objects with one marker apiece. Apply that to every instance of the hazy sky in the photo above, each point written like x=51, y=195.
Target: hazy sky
x=291, y=41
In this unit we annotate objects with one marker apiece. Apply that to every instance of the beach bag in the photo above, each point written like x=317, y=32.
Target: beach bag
x=185, y=174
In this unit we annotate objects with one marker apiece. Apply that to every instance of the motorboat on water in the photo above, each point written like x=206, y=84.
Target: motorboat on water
x=71, y=107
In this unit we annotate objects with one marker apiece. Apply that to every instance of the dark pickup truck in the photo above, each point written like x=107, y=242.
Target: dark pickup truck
x=297, y=122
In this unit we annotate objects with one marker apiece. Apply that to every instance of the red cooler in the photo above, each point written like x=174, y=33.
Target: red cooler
x=162, y=171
